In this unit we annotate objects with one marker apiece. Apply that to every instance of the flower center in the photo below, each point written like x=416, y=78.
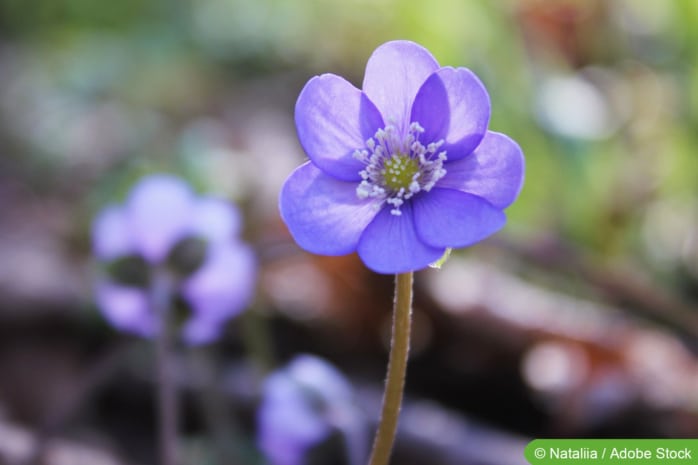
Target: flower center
x=399, y=166
x=399, y=170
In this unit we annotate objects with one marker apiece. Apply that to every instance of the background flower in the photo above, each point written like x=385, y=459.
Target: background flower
x=303, y=404
x=403, y=169
x=164, y=228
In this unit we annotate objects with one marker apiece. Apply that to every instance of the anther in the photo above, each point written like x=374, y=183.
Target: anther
x=398, y=167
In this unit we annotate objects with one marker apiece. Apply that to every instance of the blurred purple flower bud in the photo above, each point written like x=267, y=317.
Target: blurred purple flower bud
x=305, y=404
x=164, y=226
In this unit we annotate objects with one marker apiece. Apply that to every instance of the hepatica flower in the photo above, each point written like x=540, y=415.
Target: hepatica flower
x=306, y=405
x=402, y=169
x=163, y=228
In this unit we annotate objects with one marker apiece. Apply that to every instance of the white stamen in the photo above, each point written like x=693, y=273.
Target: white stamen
x=388, y=156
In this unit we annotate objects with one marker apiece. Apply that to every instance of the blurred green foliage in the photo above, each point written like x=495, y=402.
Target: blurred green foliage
x=602, y=96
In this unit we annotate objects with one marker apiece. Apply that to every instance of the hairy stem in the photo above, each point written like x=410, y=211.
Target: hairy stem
x=397, y=367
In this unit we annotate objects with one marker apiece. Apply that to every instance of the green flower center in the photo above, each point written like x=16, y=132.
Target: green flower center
x=399, y=171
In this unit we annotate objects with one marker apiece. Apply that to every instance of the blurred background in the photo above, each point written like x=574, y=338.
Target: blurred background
x=579, y=319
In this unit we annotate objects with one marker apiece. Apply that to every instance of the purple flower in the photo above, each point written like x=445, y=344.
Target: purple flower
x=303, y=405
x=164, y=227
x=401, y=170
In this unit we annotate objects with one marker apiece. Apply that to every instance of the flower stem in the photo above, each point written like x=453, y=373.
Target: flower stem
x=397, y=367
x=166, y=390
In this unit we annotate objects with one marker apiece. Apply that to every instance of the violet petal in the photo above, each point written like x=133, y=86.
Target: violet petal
x=199, y=330
x=451, y=218
x=495, y=171
x=215, y=219
x=111, y=236
x=323, y=214
x=159, y=210
x=390, y=244
x=126, y=308
x=224, y=284
x=333, y=120
x=288, y=425
x=394, y=73
x=453, y=106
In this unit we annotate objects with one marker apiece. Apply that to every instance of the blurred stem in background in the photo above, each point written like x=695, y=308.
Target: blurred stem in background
x=228, y=439
x=257, y=340
x=397, y=367
x=161, y=297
